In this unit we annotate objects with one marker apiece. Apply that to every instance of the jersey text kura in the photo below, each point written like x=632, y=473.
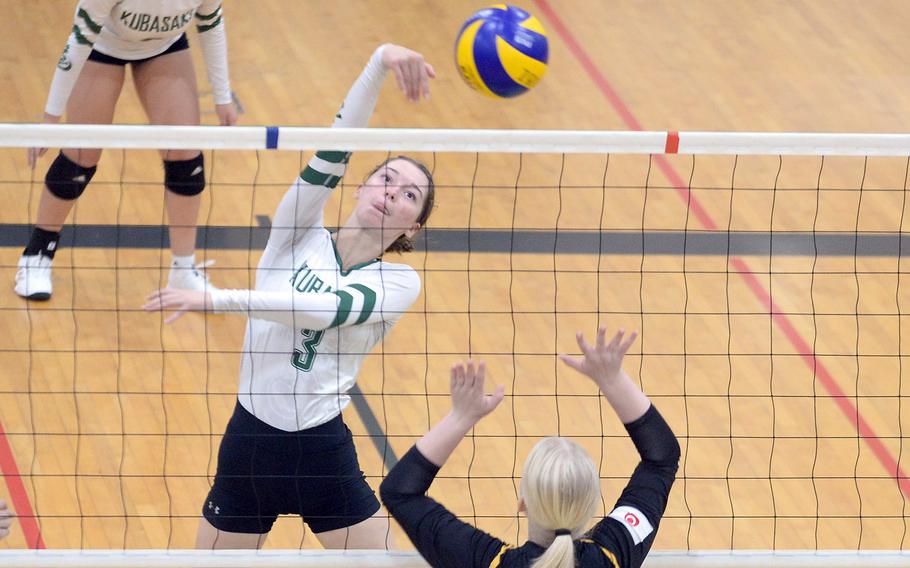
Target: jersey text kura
x=154, y=23
x=305, y=280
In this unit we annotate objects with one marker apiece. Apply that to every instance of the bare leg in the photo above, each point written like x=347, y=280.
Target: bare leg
x=182, y=212
x=210, y=538
x=92, y=101
x=167, y=88
x=373, y=533
x=53, y=211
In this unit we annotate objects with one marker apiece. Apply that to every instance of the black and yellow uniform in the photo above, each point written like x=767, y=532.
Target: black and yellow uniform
x=620, y=540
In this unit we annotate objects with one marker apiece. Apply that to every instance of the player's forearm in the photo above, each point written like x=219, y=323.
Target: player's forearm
x=351, y=305
x=67, y=73
x=309, y=311
x=626, y=399
x=361, y=99
x=213, y=39
x=442, y=439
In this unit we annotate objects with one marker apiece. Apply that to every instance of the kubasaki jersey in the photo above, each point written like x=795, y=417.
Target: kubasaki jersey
x=139, y=29
x=311, y=323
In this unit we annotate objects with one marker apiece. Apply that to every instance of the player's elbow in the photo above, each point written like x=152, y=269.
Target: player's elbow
x=674, y=455
x=665, y=455
x=390, y=496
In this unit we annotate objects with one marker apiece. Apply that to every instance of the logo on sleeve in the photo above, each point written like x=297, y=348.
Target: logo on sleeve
x=635, y=522
x=64, y=63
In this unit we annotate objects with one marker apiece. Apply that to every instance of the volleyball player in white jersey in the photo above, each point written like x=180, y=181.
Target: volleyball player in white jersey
x=321, y=303
x=107, y=35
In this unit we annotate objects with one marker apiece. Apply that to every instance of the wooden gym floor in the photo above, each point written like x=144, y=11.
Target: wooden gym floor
x=113, y=419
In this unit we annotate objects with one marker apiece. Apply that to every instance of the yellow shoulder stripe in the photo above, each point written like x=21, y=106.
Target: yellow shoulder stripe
x=495, y=562
x=606, y=552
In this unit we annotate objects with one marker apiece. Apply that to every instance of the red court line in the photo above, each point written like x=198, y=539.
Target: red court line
x=21, y=504
x=620, y=107
x=824, y=377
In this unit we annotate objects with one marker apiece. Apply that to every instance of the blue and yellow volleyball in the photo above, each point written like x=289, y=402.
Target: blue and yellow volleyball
x=502, y=51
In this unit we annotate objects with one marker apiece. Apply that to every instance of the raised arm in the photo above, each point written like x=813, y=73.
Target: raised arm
x=301, y=207
x=469, y=405
x=441, y=537
x=602, y=362
x=629, y=530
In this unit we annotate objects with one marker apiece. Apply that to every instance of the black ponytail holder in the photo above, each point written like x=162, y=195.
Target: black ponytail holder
x=561, y=532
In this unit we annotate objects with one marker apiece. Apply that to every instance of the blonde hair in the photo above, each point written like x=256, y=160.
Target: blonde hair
x=561, y=490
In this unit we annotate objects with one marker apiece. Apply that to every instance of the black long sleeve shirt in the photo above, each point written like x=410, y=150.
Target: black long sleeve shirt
x=620, y=540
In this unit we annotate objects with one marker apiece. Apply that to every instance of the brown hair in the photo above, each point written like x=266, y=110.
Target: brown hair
x=403, y=243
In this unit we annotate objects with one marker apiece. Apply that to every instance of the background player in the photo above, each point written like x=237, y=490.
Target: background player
x=322, y=302
x=560, y=486
x=106, y=36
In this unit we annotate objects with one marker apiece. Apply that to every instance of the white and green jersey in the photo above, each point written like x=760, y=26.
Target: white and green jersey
x=311, y=323
x=138, y=29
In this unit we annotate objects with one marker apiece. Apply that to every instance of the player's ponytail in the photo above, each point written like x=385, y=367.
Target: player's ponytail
x=561, y=490
x=560, y=554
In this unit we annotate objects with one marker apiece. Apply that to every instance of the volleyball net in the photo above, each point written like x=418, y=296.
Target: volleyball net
x=763, y=271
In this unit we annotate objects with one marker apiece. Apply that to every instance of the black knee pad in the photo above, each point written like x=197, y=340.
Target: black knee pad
x=66, y=179
x=185, y=177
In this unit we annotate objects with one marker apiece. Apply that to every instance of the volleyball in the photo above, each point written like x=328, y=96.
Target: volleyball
x=502, y=51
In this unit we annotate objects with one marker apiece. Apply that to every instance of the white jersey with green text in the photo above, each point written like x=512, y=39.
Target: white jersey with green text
x=139, y=29
x=311, y=323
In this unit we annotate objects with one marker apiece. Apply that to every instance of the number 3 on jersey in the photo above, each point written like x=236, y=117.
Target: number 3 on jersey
x=303, y=360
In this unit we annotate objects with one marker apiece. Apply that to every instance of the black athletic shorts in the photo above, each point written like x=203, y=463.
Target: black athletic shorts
x=178, y=45
x=264, y=472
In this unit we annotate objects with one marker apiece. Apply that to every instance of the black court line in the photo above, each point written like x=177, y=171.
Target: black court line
x=377, y=434
x=502, y=241
x=528, y=241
